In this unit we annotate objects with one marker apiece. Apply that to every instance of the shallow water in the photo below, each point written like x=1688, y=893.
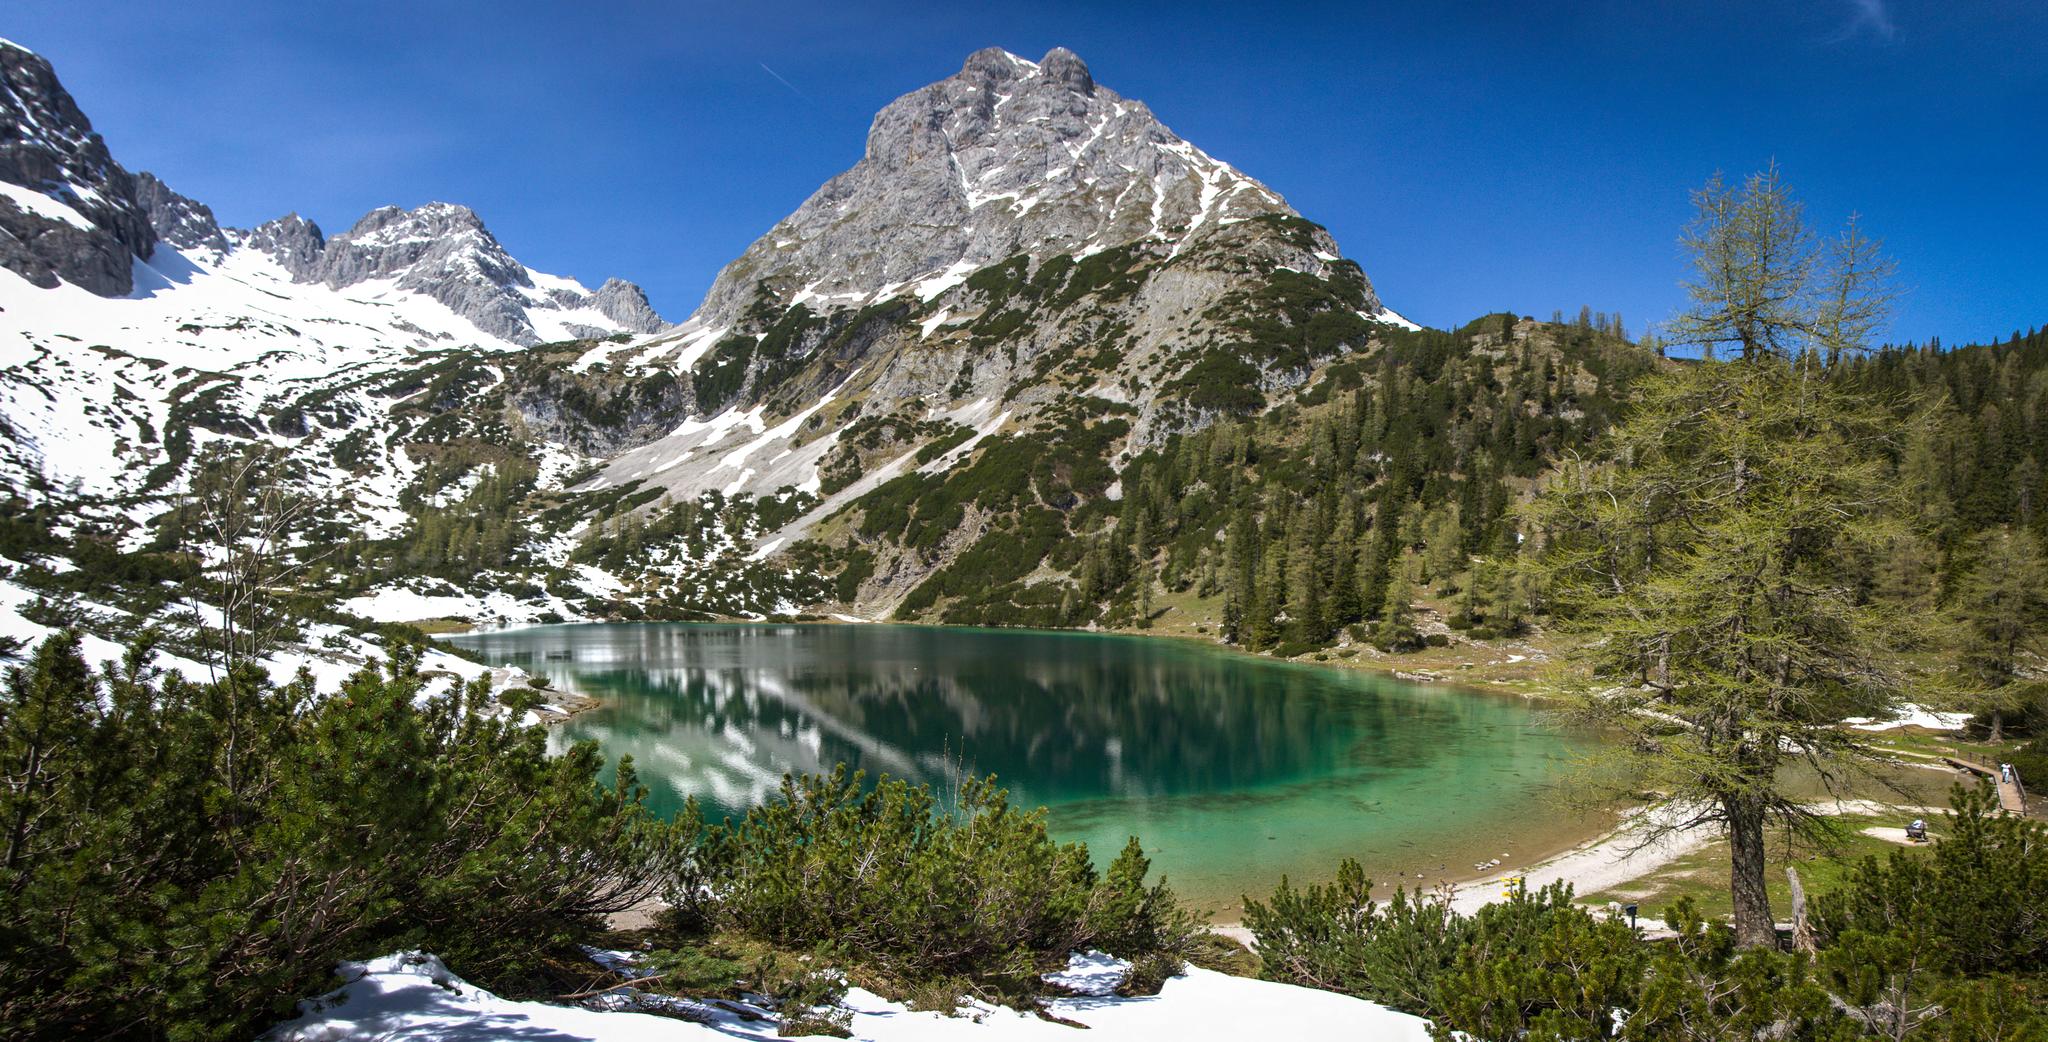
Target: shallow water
x=1232, y=769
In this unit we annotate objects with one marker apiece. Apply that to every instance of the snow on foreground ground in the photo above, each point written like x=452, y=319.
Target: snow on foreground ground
x=411, y=996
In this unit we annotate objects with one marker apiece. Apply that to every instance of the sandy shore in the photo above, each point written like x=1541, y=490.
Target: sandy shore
x=1629, y=852
x=1634, y=850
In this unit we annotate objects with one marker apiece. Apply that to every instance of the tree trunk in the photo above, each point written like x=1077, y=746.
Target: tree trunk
x=1802, y=930
x=1997, y=724
x=1754, y=927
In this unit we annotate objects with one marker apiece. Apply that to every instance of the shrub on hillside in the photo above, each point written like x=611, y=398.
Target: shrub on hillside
x=1973, y=904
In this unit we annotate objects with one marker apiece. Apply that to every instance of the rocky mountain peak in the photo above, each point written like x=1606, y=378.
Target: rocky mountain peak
x=423, y=248
x=444, y=251
x=625, y=303
x=183, y=222
x=67, y=210
x=294, y=242
x=1006, y=156
x=1065, y=67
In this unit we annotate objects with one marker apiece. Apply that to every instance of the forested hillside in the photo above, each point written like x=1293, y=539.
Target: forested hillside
x=1296, y=519
x=1974, y=458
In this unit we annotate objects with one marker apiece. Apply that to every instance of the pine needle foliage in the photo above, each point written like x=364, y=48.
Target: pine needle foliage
x=1946, y=945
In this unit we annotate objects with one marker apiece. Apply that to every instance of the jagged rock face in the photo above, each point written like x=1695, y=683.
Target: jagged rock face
x=1005, y=157
x=182, y=222
x=436, y=242
x=294, y=242
x=444, y=252
x=626, y=304
x=441, y=251
x=1018, y=248
x=92, y=227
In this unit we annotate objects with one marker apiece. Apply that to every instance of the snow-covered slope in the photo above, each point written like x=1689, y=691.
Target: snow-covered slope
x=123, y=305
x=443, y=251
x=89, y=384
x=1022, y=261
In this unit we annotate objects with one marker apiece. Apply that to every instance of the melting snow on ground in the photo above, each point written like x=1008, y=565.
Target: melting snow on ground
x=330, y=653
x=1910, y=715
x=413, y=996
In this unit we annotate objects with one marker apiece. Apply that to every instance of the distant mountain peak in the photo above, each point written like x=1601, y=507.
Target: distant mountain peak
x=1006, y=156
x=444, y=251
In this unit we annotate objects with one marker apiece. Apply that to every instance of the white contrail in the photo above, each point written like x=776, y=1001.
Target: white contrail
x=786, y=83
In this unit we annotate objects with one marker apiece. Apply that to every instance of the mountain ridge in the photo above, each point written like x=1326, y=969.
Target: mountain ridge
x=1026, y=282
x=69, y=211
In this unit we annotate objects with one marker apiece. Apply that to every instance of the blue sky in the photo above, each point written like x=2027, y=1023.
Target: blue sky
x=1472, y=157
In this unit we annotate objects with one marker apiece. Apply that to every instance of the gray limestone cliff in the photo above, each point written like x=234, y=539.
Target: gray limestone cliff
x=182, y=222
x=1005, y=157
x=91, y=228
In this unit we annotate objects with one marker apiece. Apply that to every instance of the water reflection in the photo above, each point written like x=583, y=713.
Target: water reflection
x=724, y=711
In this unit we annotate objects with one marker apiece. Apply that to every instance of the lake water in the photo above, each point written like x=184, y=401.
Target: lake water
x=1232, y=769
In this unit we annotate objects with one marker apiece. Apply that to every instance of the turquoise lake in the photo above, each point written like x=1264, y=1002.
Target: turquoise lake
x=1232, y=769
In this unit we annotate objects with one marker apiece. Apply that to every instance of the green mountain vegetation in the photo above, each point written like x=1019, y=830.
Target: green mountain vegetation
x=1931, y=945
x=184, y=861
x=1733, y=550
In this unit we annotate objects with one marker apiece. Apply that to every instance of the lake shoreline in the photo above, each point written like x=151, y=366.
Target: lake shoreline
x=1224, y=714
x=1424, y=666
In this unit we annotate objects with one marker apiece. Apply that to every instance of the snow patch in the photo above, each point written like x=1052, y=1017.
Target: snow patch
x=936, y=284
x=46, y=207
x=1912, y=716
x=411, y=995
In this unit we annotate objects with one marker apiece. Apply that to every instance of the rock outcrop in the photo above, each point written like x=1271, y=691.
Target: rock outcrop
x=181, y=222
x=294, y=242
x=67, y=210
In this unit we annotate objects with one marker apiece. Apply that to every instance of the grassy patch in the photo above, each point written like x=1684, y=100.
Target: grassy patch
x=1703, y=874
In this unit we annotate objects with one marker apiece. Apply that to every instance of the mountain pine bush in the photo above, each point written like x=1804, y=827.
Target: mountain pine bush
x=1945, y=945
x=185, y=860
x=924, y=887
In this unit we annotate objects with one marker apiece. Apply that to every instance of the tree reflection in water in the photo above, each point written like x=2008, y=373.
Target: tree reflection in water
x=1189, y=746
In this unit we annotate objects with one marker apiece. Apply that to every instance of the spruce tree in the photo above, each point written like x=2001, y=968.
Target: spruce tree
x=2002, y=604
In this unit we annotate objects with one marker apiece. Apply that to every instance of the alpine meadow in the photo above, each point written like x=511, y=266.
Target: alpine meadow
x=1043, y=587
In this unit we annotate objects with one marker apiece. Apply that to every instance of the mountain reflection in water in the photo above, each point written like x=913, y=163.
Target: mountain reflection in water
x=1206, y=754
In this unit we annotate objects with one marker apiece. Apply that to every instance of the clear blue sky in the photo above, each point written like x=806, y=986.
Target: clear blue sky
x=1472, y=157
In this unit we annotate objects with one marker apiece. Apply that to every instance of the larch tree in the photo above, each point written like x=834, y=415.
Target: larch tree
x=1700, y=550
